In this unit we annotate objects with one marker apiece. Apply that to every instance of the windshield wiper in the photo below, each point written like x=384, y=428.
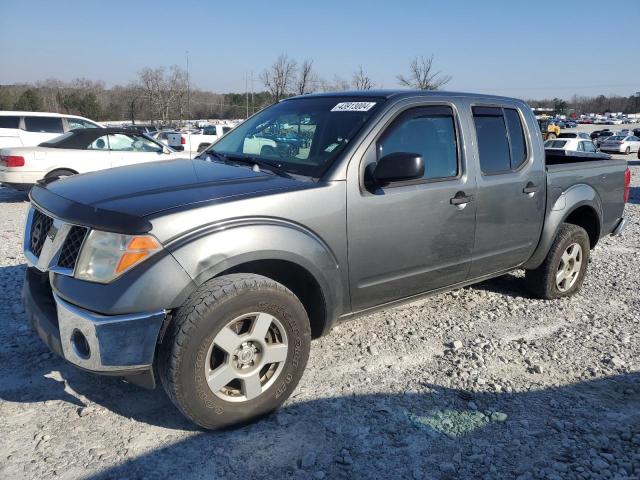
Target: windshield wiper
x=228, y=158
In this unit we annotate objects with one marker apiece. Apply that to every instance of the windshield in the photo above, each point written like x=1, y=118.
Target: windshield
x=300, y=136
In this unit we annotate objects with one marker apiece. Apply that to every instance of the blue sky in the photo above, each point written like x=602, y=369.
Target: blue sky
x=525, y=49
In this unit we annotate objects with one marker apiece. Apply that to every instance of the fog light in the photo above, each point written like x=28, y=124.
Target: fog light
x=80, y=344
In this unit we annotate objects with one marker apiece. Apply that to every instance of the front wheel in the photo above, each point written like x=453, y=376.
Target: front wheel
x=235, y=351
x=563, y=270
x=627, y=151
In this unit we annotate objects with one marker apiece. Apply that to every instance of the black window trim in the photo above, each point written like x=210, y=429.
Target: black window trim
x=525, y=129
x=398, y=117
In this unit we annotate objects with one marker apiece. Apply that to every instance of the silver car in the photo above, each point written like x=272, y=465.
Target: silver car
x=621, y=144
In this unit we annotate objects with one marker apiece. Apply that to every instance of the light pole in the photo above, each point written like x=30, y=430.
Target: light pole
x=188, y=88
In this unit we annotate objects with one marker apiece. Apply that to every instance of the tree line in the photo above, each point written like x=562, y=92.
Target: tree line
x=165, y=94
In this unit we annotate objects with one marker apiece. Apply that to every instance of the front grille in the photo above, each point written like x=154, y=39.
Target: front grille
x=40, y=226
x=71, y=247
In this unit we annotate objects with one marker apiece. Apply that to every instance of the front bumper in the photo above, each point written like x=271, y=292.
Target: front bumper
x=109, y=344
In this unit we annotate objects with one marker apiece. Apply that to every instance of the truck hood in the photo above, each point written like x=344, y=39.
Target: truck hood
x=119, y=199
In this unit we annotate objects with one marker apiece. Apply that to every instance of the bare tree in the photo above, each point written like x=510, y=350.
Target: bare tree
x=422, y=77
x=306, y=78
x=165, y=92
x=361, y=81
x=279, y=77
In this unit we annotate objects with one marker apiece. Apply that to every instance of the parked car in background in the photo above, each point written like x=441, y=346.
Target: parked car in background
x=602, y=137
x=570, y=124
x=584, y=135
x=141, y=128
x=581, y=145
x=199, y=140
x=27, y=129
x=171, y=138
x=78, y=151
x=596, y=133
x=620, y=144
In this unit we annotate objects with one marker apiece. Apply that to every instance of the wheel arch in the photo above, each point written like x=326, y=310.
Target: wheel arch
x=579, y=205
x=288, y=254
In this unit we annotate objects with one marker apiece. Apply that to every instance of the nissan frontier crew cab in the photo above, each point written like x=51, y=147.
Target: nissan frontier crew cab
x=214, y=274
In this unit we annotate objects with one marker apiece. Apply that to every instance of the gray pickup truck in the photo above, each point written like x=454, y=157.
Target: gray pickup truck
x=214, y=274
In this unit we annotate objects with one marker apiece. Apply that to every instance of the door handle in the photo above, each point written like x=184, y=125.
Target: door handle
x=530, y=188
x=461, y=198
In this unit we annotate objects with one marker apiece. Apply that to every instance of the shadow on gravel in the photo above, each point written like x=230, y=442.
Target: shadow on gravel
x=425, y=435
x=634, y=195
x=508, y=284
x=8, y=195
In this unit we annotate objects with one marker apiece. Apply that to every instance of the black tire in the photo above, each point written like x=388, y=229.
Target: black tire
x=627, y=151
x=203, y=146
x=268, y=151
x=60, y=173
x=551, y=136
x=191, y=333
x=541, y=282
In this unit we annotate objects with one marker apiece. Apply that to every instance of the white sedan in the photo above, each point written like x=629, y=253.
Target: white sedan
x=79, y=151
x=621, y=144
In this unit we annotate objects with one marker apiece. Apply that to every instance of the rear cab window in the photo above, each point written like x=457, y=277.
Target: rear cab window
x=43, y=124
x=502, y=144
x=9, y=121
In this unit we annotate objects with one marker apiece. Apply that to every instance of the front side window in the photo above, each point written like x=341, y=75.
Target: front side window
x=75, y=123
x=429, y=132
x=43, y=124
x=301, y=136
x=119, y=142
x=589, y=147
x=501, y=141
x=581, y=146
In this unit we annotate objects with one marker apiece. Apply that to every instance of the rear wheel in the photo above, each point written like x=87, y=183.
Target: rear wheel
x=60, y=173
x=235, y=351
x=627, y=151
x=551, y=136
x=563, y=270
x=203, y=146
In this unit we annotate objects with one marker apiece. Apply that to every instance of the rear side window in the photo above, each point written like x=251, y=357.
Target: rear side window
x=43, y=124
x=428, y=131
x=9, y=122
x=75, y=123
x=555, y=143
x=501, y=141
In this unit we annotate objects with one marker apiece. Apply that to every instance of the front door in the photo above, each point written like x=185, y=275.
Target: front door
x=405, y=238
x=511, y=191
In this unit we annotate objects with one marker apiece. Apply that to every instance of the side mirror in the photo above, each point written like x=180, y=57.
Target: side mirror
x=397, y=167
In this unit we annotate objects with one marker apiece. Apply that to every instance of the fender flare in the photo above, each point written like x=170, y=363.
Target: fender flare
x=216, y=248
x=568, y=201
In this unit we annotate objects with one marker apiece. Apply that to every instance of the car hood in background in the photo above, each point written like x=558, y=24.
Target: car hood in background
x=118, y=199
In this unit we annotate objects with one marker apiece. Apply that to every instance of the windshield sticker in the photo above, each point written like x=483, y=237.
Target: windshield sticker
x=353, y=107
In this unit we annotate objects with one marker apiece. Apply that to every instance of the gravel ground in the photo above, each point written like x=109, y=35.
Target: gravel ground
x=484, y=382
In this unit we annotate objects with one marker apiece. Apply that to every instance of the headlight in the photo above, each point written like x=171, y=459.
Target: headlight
x=105, y=256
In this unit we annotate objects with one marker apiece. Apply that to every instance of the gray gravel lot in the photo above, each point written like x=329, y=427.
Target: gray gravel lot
x=483, y=382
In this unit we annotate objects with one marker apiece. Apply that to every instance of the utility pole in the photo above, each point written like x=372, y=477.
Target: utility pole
x=188, y=89
x=252, y=104
x=246, y=89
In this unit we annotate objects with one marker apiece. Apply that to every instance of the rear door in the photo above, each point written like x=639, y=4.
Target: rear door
x=40, y=129
x=405, y=238
x=511, y=189
x=10, y=131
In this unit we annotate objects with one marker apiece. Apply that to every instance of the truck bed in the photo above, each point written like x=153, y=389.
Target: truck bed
x=604, y=176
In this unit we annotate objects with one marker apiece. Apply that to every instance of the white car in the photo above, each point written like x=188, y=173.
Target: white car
x=28, y=129
x=79, y=151
x=573, y=144
x=621, y=144
x=196, y=142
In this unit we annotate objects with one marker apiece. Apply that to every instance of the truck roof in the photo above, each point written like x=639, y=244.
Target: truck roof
x=400, y=93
